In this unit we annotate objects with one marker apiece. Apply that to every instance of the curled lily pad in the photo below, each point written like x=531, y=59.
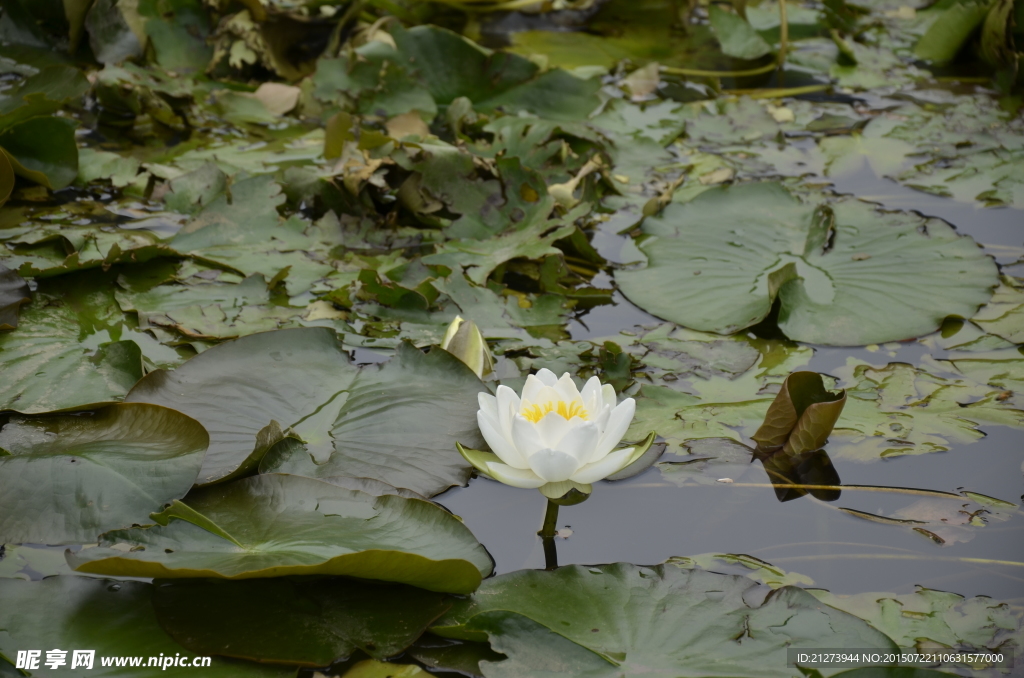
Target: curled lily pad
x=801, y=417
x=68, y=477
x=110, y=618
x=844, y=273
x=397, y=423
x=274, y=525
x=310, y=622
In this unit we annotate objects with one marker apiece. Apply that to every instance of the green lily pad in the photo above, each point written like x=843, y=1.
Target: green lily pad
x=111, y=618
x=274, y=525
x=801, y=417
x=397, y=423
x=69, y=477
x=736, y=36
x=309, y=622
x=844, y=274
x=628, y=620
x=43, y=150
x=61, y=356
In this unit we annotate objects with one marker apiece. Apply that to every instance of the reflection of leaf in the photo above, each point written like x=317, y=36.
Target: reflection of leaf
x=122, y=461
x=108, y=617
x=710, y=459
x=813, y=468
x=274, y=525
x=801, y=417
x=945, y=520
x=312, y=622
x=397, y=423
x=725, y=279
x=629, y=620
x=13, y=293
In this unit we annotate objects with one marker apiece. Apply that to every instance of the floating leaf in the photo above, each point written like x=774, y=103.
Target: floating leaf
x=43, y=150
x=275, y=525
x=69, y=477
x=397, y=423
x=110, y=618
x=310, y=622
x=625, y=619
x=61, y=356
x=737, y=37
x=834, y=269
x=801, y=417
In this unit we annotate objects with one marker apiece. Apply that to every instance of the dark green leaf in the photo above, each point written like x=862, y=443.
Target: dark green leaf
x=13, y=293
x=737, y=37
x=274, y=525
x=43, y=150
x=310, y=622
x=111, y=618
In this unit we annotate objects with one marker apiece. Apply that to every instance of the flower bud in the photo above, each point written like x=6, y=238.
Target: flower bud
x=464, y=341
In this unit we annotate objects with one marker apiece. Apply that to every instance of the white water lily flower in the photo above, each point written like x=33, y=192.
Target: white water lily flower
x=554, y=434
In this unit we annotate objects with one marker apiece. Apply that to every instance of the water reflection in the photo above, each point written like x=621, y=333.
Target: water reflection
x=794, y=475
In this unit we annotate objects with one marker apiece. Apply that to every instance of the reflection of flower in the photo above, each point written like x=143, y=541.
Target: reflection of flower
x=555, y=433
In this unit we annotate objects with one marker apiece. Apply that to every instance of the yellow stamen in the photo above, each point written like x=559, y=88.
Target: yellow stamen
x=566, y=410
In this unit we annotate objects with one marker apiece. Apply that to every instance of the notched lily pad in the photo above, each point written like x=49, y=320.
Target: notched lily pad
x=69, y=476
x=397, y=423
x=801, y=417
x=843, y=273
x=275, y=525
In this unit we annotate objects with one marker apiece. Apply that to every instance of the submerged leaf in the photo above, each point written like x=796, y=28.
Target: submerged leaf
x=274, y=525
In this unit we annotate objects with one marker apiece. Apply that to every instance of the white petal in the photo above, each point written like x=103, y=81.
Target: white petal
x=515, y=477
x=488, y=404
x=581, y=442
x=618, y=422
x=508, y=404
x=567, y=390
x=553, y=465
x=600, y=417
x=608, y=395
x=552, y=428
x=547, y=377
x=591, y=395
x=498, y=443
x=599, y=470
x=532, y=387
x=526, y=437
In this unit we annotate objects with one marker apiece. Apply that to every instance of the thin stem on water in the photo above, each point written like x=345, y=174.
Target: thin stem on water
x=547, y=535
x=547, y=530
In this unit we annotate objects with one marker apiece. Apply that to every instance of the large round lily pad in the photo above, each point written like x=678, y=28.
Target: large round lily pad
x=114, y=619
x=626, y=620
x=845, y=274
x=68, y=477
x=397, y=423
x=275, y=525
x=309, y=621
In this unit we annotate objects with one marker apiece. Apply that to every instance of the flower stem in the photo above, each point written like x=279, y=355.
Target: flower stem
x=547, y=530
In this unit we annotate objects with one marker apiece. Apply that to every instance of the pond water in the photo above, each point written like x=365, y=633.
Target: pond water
x=646, y=519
